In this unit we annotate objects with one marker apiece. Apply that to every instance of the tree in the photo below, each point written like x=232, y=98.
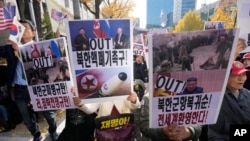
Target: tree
x=111, y=8
x=46, y=27
x=220, y=15
x=118, y=9
x=93, y=8
x=191, y=21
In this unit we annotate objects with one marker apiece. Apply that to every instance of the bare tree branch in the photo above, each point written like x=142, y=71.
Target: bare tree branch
x=88, y=8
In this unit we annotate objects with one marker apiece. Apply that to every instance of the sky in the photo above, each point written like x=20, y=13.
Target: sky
x=155, y=8
x=140, y=9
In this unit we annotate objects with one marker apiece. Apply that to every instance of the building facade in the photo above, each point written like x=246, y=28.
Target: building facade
x=181, y=7
x=207, y=10
x=170, y=19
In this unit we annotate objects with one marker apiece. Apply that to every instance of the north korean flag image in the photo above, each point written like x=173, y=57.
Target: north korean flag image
x=88, y=81
x=101, y=29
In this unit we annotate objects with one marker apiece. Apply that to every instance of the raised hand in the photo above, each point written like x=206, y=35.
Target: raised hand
x=132, y=97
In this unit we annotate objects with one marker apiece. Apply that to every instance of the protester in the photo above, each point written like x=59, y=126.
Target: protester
x=4, y=125
x=139, y=88
x=4, y=116
x=169, y=133
x=20, y=91
x=78, y=126
x=140, y=69
x=110, y=108
x=246, y=61
x=7, y=110
x=241, y=45
x=235, y=108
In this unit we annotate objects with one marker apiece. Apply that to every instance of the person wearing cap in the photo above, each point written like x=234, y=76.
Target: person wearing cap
x=17, y=85
x=110, y=108
x=235, y=108
x=140, y=69
x=191, y=86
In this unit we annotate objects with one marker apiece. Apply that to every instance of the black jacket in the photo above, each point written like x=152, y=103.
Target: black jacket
x=141, y=72
x=8, y=52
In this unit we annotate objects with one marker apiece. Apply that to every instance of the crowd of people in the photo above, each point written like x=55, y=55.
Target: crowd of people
x=80, y=122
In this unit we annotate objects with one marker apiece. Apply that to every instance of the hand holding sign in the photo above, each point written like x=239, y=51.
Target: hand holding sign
x=77, y=101
x=177, y=133
x=132, y=97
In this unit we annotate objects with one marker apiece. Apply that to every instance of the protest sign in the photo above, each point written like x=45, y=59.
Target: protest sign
x=115, y=127
x=243, y=16
x=242, y=23
x=138, y=49
x=101, y=58
x=114, y=121
x=188, y=79
x=47, y=72
x=213, y=25
x=58, y=14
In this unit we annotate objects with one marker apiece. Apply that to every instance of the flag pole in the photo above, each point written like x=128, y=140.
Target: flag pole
x=32, y=15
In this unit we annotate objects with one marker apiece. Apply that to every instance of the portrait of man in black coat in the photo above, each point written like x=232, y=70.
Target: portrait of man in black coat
x=81, y=41
x=121, y=40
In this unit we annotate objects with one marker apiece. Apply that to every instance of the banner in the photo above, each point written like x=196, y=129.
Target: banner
x=47, y=72
x=101, y=58
x=188, y=77
x=115, y=127
x=114, y=121
x=243, y=16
